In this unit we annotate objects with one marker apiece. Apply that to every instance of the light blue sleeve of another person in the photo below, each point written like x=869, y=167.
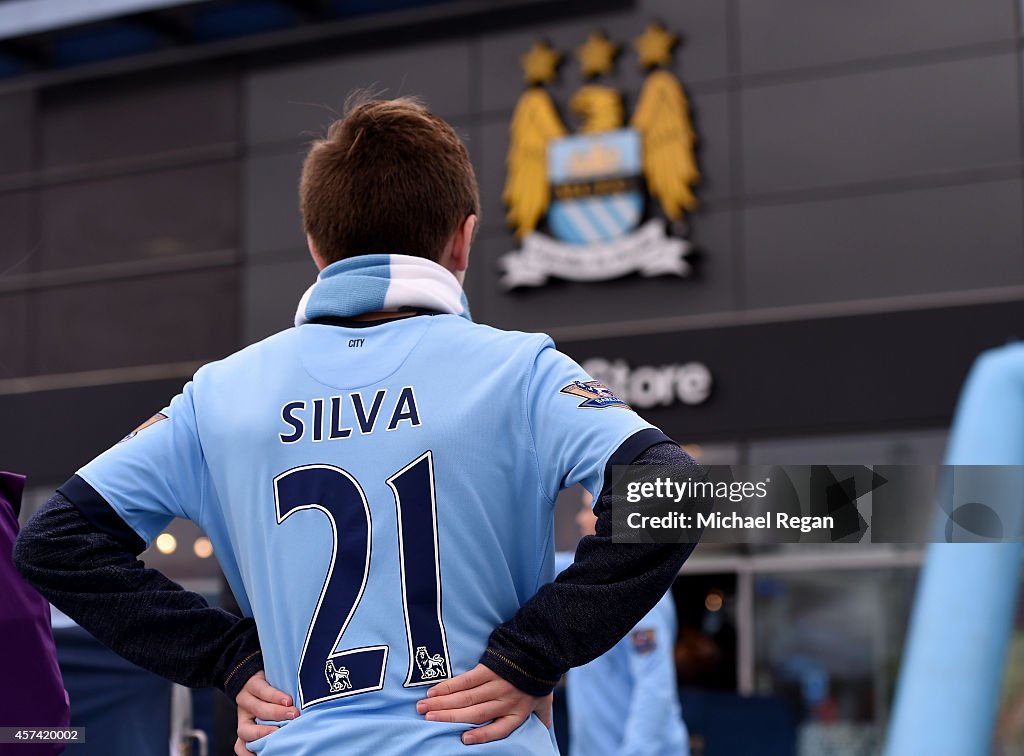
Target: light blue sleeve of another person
x=156, y=473
x=988, y=428
x=947, y=697
x=654, y=724
x=646, y=721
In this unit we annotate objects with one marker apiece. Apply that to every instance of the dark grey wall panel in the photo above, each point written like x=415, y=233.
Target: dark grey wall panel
x=17, y=131
x=271, y=293
x=880, y=124
x=702, y=56
x=16, y=254
x=939, y=239
x=102, y=416
x=703, y=51
x=140, y=217
x=783, y=34
x=713, y=124
x=272, y=221
x=470, y=133
x=494, y=139
x=911, y=448
x=300, y=101
x=563, y=303
x=143, y=321
x=15, y=335
x=137, y=117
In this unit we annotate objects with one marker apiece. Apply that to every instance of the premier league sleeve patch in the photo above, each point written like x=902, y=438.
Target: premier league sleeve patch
x=153, y=420
x=595, y=395
x=644, y=641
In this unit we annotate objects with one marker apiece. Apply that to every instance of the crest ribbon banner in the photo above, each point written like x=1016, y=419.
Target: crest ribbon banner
x=647, y=250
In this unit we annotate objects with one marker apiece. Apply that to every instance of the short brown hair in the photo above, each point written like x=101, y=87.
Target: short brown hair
x=389, y=177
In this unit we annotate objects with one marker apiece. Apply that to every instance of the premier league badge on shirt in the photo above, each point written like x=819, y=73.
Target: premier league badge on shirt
x=644, y=641
x=591, y=188
x=431, y=666
x=595, y=395
x=155, y=419
x=337, y=677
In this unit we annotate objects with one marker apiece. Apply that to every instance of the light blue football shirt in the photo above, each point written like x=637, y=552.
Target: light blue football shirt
x=380, y=499
x=626, y=701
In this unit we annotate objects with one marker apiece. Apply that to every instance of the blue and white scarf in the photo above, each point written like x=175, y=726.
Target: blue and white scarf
x=381, y=283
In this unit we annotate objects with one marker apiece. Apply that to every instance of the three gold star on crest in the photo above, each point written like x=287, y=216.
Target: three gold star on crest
x=597, y=55
x=540, y=62
x=655, y=45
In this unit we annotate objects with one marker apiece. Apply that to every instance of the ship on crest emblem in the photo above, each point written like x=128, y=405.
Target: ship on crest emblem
x=591, y=187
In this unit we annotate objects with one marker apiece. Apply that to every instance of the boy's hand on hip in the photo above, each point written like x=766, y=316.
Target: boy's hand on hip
x=260, y=699
x=479, y=696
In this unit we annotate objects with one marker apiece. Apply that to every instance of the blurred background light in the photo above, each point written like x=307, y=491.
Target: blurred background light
x=203, y=548
x=166, y=543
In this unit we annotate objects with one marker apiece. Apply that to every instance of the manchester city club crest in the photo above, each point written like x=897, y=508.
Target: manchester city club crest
x=589, y=190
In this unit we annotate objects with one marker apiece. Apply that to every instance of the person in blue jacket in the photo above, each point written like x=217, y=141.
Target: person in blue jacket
x=951, y=678
x=626, y=702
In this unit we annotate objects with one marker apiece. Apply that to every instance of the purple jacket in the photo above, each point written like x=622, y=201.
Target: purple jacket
x=31, y=688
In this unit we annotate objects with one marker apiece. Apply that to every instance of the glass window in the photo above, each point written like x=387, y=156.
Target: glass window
x=829, y=644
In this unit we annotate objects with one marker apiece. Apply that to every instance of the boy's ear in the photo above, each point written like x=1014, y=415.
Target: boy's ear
x=462, y=242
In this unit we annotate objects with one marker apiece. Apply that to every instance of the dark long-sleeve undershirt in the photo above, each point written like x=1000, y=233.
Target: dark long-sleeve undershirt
x=593, y=604
x=96, y=579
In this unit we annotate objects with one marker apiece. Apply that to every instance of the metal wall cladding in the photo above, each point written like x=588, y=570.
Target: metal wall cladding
x=780, y=35
x=122, y=228
x=15, y=334
x=926, y=120
x=17, y=255
x=271, y=222
x=173, y=317
x=271, y=292
x=141, y=115
x=145, y=216
x=298, y=101
x=17, y=131
x=933, y=239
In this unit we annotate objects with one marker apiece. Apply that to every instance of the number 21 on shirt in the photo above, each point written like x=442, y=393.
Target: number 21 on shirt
x=325, y=674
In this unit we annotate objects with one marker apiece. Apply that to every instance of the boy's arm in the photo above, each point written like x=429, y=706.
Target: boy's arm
x=93, y=576
x=80, y=552
x=593, y=604
x=570, y=622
